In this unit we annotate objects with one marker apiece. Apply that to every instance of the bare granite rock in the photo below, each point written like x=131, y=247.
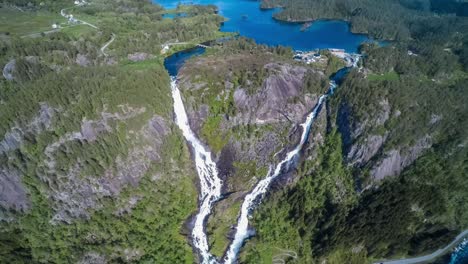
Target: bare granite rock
x=129, y=205
x=93, y=258
x=9, y=69
x=395, y=160
x=361, y=153
x=82, y=60
x=139, y=56
x=13, y=194
x=277, y=100
x=42, y=121
x=74, y=193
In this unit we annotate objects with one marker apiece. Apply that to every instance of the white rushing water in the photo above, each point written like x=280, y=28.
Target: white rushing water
x=242, y=228
x=210, y=183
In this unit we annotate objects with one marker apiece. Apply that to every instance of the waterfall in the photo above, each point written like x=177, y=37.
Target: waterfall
x=252, y=199
x=210, y=183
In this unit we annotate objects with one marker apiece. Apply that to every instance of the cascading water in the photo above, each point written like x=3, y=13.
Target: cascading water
x=210, y=183
x=242, y=228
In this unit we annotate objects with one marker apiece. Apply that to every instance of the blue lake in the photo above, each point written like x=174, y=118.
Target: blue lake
x=174, y=62
x=246, y=18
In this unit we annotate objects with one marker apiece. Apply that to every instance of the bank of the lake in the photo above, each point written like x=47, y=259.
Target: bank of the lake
x=246, y=18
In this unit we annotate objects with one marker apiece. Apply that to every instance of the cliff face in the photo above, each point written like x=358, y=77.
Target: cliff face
x=254, y=105
x=280, y=98
x=367, y=148
x=252, y=109
x=93, y=150
x=72, y=190
x=260, y=115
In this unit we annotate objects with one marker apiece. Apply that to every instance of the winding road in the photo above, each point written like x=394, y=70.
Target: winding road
x=430, y=257
x=103, y=48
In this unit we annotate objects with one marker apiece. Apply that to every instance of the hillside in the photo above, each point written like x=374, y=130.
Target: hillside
x=92, y=167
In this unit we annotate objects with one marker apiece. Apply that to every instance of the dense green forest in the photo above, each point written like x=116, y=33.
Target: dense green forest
x=94, y=169
x=409, y=215
x=422, y=75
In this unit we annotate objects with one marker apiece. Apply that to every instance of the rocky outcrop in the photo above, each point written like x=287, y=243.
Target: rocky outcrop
x=82, y=60
x=9, y=69
x=281, y=97
x=360, y=153
x=366, y=149
x=91, y=129
x=128, y=206
x=395, y=161
x=73, y=193
x=265, y=116
x=13, y=195
x=139, y=56
x=93, y=258
x=14, y=138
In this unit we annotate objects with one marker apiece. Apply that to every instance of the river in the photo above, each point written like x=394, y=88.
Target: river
x=246, y=18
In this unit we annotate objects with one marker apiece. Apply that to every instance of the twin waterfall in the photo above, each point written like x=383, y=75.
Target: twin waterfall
x=242, y=228
x=211, y=184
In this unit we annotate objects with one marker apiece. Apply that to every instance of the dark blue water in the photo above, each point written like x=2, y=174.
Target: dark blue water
x=246, y=18
x=174, y=62
x=460, y=254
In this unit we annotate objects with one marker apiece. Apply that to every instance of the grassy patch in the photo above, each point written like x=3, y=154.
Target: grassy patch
x=150, y=64
x=19, y=23
x=347, y=256
x=78, y=30
x=389, y=76
x=220, y=224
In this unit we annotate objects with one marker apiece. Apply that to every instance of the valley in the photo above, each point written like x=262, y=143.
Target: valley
x=134, y=144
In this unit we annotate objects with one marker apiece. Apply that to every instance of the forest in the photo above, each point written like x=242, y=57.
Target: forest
x=422, y=71
x=117, y=197
x=334, y=210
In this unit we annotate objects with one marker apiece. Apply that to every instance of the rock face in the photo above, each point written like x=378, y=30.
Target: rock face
x=93, y=258
x=82, y=60
x=139, y=56
x=395, y=161
x=13, y=194
x=274, y=101
x=14, y=138
x=9, y=69
x=74, y=194
x=268, y=114
x=361, y=153
x=364, y=148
